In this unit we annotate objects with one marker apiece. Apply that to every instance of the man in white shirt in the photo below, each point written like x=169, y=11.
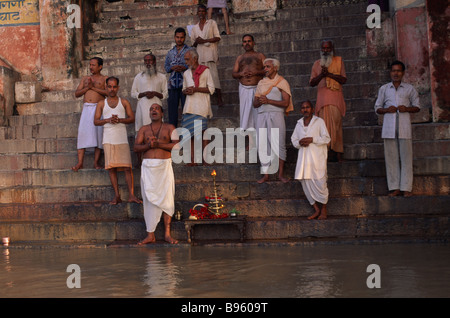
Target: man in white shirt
x=396, y=100
x=205, y=37
x=149, y=87
x=198, y=86
x=311, y=138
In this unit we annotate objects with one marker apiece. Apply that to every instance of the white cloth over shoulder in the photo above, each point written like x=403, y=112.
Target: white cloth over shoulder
x=158, y=190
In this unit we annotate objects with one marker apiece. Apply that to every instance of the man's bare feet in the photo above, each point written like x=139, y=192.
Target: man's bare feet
x=263, y=179
x=394, y=193
x=98, y=167
x=170, y=240
x=77, y=167
x=133, y=199
x=407, y=194
x=323, y=213
x=283, y=179
x=115, y=201
x=149, y=239
x=316, y=212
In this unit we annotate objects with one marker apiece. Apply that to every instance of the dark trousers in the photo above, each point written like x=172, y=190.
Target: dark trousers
x=175, y=97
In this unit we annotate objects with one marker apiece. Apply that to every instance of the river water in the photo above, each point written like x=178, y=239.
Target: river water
x=240, y=271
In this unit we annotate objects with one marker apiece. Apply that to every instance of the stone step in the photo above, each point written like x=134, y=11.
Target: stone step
x=67, y=186
x=152, y=29
x=157, y=47
x=407, y=222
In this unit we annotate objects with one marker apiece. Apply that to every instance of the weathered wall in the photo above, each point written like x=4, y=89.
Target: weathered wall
x=439, y=57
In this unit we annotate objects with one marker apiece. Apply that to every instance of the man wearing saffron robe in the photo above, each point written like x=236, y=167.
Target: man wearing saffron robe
x=311, y=137
x=328, y=74
x=273, y=100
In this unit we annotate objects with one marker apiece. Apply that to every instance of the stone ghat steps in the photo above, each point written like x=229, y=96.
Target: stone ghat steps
x=405, y=223
x=129, y=31
x=239, y=183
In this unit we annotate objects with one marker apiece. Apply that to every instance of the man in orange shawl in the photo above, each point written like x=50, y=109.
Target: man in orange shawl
x=273, y=100
x=328, y=74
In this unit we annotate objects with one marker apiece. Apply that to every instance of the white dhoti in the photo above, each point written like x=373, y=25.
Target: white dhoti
x=248, y=114
x=270, y=126
x=316, y=190
x=158, y=190
x=89, y=135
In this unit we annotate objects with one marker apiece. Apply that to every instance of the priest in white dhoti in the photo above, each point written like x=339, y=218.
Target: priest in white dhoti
x=311, y=138
x=149, y=87
x=156, y=141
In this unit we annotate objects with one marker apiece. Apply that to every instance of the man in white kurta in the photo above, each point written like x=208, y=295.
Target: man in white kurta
x=149, y=87
x=395, y=101
x=205, y=37
x=311, y=138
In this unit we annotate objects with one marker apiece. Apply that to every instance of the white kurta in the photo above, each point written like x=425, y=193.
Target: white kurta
x=158, y=190
x=311, y=166
x=198, y=103
x=142, y=83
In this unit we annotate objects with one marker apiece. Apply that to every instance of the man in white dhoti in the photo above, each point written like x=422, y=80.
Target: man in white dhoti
x=114, y=113
x=149, y=87
x=156, y=141
x=93, y=90
x=273, y=100
x=249, y=70
x=205, y=37
x=311, y=138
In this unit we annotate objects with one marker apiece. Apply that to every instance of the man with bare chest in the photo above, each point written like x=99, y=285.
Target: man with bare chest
x=93, y=90
x=249, y=70
x=156, y=141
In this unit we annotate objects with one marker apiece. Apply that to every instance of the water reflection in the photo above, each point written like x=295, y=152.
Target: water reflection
x=407, y=270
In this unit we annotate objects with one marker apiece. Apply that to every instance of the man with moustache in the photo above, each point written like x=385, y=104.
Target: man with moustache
x=328, y=74
x=156, y=141
x=93, y=90
x=396, y=101
x=175, y=66
x=311, y=138
x=149, y=87
x=205, y=37
x=249, y=70
x=114, y=113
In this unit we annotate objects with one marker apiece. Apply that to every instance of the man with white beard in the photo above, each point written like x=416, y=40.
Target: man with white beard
x=149, y=87
x=328, y=74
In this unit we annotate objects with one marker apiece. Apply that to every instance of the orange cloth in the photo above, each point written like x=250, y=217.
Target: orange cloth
x=333, y=120
x=329, y=92
x=266, y=84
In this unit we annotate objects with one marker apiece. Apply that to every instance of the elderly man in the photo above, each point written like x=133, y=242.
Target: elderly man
x=175, y=66
x=395, y=101
x=114, y=113
x=328, y=74
x=273, y=100
x=205, y=37
x=93, y=90
x=156, y=141
x=198, y=86
x=311, y=138
x=249, y=70
x=149, y=87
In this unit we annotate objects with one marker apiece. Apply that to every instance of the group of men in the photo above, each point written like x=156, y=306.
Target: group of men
x=265, y=99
